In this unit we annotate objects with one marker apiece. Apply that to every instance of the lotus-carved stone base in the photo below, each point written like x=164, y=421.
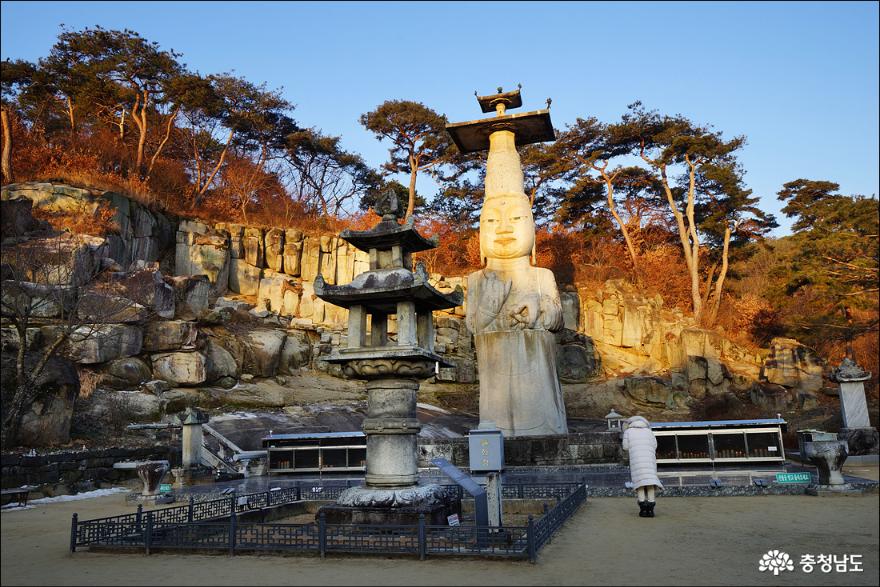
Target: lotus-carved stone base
x=861, y=441
x=403, y=505
x=382, y=368
x=393, y=498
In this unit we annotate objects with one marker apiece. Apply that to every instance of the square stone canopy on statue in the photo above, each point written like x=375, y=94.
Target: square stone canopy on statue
x=529, y=127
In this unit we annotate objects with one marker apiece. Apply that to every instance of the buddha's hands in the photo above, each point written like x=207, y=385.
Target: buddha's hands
x=493, y=293
x=525, y=312
x=551, y=313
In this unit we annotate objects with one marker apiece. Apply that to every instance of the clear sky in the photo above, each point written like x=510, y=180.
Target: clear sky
x=799, y=79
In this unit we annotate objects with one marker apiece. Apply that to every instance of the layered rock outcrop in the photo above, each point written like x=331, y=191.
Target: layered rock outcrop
x=241, y=304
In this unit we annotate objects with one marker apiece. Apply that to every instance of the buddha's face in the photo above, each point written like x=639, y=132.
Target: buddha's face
x=507, y=229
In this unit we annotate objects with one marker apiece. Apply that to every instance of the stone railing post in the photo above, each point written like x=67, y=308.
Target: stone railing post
x=322, y=534
x=74, y=521
x=423, y=538
x=530, y=538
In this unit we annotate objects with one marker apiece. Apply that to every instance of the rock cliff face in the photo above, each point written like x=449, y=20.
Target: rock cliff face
x=219, y=304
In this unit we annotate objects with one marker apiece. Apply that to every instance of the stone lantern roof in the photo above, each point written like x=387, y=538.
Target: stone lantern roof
x=529, y=127
x=849, y=370
x=380, y=290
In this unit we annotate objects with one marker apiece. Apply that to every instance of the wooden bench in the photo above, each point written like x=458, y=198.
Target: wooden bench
x=10, y=495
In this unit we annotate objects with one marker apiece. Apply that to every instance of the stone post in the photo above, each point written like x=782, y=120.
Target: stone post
x=192, y=439
x=493, y=497
x=857, y=431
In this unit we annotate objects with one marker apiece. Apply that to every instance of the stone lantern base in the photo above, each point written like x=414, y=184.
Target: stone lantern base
x=860, y=441
x=403, y=506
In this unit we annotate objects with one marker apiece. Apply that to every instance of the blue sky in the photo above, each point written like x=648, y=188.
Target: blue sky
x=799, y=79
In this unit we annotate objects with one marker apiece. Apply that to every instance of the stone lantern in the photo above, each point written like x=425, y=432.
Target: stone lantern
x=392, y=364
x=614, y=420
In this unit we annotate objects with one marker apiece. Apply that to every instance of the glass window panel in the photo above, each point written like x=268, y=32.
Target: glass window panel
x=764, y=444
x=666, y=447
x=306, y=459
x=693, y=446
x=729, y=446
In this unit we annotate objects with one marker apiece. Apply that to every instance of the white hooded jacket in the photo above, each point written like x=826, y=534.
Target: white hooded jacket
x=642, y=446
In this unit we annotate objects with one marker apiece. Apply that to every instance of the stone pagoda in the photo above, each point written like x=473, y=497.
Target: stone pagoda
x=392, y=363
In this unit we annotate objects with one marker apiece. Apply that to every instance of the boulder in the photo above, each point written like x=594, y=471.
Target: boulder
x=180, y=368
x=236, y=244
x=311, y=257
x=47, y=420
x=167, y=335
x=254, y=251
x=64, y=260
x=244, y=278
x=162, y=298
x=96, y=307
x=126, y=373
x=327, y=262
x=274, y=243
x=220, y=364
x=98, y=343
x=263, y=351
x=192, y=296
x=9, y=338
x=649, y=390
x=296, y=352
x=118, y=408
x=571, y=309
x=576, y=360
x=38, y=300
x=792, y=365
x=770, y=396
x=17, y=218
x=293, y=246
x=278, y=293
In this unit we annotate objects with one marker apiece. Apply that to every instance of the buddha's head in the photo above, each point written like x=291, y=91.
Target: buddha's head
x=507, y=227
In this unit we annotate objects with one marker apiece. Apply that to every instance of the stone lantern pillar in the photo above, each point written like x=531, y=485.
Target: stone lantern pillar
x=193, y=438
x=860, y=436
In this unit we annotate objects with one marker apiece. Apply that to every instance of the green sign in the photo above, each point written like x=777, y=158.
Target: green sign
x=164, y=487
x=792, y=477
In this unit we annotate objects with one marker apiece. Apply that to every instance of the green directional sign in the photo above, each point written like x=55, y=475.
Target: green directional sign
x=164, y=488
x=792, y=477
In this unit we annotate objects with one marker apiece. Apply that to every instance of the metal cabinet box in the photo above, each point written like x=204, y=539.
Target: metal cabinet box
x=486, y=450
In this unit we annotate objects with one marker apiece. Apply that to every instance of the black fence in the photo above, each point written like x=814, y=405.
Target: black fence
x=215, y=525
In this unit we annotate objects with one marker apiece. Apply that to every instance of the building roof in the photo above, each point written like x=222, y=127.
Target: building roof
x=722, y=423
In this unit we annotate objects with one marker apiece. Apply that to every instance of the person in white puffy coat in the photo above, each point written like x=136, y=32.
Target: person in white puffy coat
x=639, y=441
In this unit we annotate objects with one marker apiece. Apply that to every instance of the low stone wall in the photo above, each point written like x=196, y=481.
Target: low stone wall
x=574, y=449
x=76, y=469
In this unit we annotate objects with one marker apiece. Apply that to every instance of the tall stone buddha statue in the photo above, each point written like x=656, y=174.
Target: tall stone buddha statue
x=513, y=307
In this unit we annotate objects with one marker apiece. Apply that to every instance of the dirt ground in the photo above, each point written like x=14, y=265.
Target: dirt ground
x=692, y=541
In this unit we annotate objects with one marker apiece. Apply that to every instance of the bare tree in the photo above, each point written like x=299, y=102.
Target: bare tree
x=54, y=284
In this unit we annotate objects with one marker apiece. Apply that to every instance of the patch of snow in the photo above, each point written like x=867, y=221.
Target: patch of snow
x=434, y=432
x=432, y=408
x=234, y=416
x=79, y=496
x=16, y=507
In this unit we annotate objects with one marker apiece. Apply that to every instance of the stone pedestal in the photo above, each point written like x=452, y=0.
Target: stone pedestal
x=392, y=494
x=828, y=456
